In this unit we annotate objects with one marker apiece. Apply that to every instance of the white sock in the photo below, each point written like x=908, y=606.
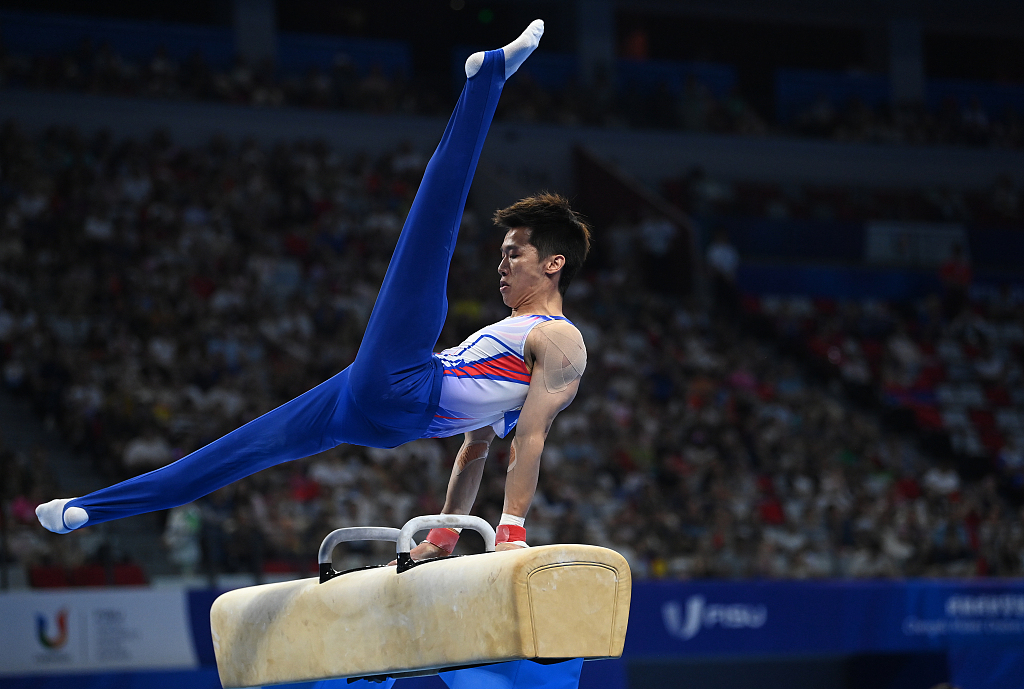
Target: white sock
x=52, y=516
x=516, y=52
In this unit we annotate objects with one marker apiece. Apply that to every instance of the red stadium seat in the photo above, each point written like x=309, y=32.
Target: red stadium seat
x=771, y=512
x=89, y=575
x=928, y=417
x=982, y=418
x=930, y=376
x=279, y=567
x=45, y=577
x=825, y=307
x=998, y=396
x=129, y=574
x=991, y=439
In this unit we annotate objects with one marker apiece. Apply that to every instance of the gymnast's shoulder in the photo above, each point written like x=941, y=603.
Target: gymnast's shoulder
x=557, y=343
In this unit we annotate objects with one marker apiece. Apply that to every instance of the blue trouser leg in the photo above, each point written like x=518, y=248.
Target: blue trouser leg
x=299, y=428
x=339, y=684
x=395, y=363
x=388, y=395
x=517, y=674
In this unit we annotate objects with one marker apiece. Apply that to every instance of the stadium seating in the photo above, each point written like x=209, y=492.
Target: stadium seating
x=179, y=291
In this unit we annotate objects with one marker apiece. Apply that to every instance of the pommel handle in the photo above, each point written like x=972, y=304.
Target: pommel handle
x=439, y=521
x=354, y=533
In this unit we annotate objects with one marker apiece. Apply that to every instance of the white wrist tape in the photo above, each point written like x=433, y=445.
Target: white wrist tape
x=511, y=520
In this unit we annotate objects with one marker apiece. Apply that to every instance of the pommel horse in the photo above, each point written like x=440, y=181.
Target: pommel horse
x=546, y=603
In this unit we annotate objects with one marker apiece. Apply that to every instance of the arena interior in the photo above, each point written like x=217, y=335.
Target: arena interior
x=802, y=419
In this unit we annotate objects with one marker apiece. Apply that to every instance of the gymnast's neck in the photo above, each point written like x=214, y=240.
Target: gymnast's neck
x=544, y=305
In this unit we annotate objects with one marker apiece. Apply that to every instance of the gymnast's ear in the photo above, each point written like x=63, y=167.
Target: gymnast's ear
x=553, y=264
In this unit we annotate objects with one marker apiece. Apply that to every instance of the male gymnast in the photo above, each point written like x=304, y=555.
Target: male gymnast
x=519, y=372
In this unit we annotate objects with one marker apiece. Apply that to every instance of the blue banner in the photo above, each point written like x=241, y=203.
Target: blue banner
x=977, y=625
x=842, y=618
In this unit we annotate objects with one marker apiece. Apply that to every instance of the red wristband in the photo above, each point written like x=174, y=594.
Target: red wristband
x=445, y=539
x=509, y=533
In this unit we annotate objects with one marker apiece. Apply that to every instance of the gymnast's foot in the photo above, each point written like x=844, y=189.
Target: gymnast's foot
x=54, y=517
x=515, y=52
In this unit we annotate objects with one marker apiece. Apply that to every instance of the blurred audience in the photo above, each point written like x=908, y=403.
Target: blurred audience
x=705, y=196
x=101, y=70
x=955, y=378
x=38, y=558
x=694, y=107
x=722, y=261
x=26, y=479
x=154, y=297
x=956, y=275
x=961, y=124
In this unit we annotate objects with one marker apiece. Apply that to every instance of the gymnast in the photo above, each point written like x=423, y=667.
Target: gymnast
x=517, y=373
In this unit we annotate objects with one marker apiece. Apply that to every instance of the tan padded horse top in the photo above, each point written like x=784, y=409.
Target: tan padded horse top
x=556, y=601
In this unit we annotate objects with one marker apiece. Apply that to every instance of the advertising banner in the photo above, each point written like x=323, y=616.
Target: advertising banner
x=75, y=632
x=709, y=618
x=69, y=631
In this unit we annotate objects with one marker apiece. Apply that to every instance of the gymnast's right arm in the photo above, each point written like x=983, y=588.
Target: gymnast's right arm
x=462, y=489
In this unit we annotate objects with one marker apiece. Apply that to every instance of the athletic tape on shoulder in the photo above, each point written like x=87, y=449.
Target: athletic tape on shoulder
x=565, y=356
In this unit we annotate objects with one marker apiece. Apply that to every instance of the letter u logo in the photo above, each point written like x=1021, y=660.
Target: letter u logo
x=45, y=638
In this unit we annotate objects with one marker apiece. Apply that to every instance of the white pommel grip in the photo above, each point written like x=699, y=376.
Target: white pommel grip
x=431, y=521
x=353, y=533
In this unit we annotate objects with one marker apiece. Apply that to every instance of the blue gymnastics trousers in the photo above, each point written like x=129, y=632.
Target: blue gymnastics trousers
x=389, y=394
x=516, y=674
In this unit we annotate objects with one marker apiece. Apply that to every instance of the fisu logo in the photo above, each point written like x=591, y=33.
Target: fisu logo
x=48, y=640
x=700, y=615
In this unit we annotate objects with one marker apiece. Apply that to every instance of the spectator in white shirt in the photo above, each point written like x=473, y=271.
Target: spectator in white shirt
x=723, y=261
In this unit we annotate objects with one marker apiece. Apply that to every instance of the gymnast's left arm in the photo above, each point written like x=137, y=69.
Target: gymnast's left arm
x=559, y=359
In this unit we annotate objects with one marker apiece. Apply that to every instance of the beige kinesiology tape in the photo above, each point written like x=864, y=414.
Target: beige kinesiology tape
x=471, y=452
x=565, y=356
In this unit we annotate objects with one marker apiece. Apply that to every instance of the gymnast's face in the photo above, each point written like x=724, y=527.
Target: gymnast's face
x=521, y=271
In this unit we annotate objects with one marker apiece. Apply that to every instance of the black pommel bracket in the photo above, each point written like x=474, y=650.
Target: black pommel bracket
x=327, y=572
x=405, y=562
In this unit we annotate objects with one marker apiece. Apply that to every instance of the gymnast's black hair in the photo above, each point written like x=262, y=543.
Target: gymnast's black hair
x=555, y=229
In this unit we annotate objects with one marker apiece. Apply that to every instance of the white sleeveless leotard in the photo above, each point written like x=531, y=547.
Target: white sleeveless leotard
x=485, y=379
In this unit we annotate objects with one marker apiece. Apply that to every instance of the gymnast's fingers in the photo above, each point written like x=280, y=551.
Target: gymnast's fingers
x=424, y=551
x=506, y=546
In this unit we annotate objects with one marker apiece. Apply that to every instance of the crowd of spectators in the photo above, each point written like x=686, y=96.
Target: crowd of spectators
x=603, y=103
x=24, y=481
x=154, y=297
x=961, y=124
x=101, y=70
x=33, y=556
x=953, y=368
x=705, y=196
